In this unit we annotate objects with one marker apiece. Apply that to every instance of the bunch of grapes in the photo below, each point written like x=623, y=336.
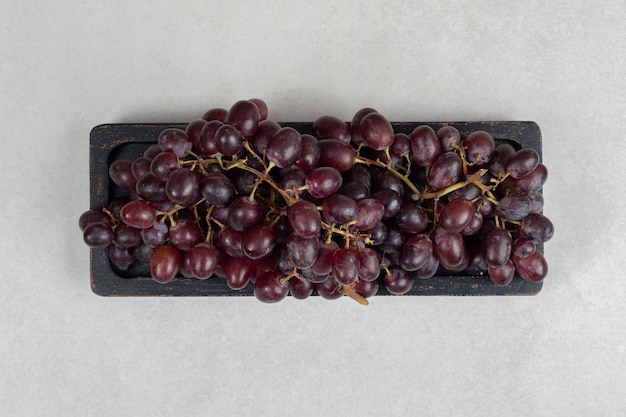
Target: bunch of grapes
x=341, y=211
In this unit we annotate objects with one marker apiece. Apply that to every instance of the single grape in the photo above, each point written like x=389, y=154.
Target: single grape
x=284, y=147
x=476, y=259
x=412, y=218
x=314, y=277
x=93, y=216
x=330, y=127
x=163, y=164
x=183, y=187
x=228, y=140
x=151, y=188
x=514, y=207
x=143, y=252
x=269, y=287
x=323, y=264
x=366, y=289
x=474, y=225
x=207, y=141
x=259, y=241
x=502, y=275
x=428, y=268
x=370, y=211
x=449, y=137
x=293, y=180
x=122, y=258
x=398, y=282
x=345, y=266
x=401, y=145
x=244, y=116
x=536, y=202
x=391, y=200
x=126, y=237
x=359, y=173
x=140, y=166
x=302, y=251
x=185, y=234
x=425, y=146
x=262, y=106
x=497, y=245
x=329, y=289
x=355, y=190
x=529, y=183
x=121, y=173
x=532, y=268
x=339, y=209
x=217, y=189
x=355, y=130
x=244, y=213
x=217, y=114
x=164, y=264
x=300, y=289
x=176, y=141
x=231, y=241
x=155, y=235
x=457, y=215
x=537, y=227
x=523, y=247
x=309, y=155
x=522, y=163
x=323, y=181
x=499, y=159
x=415, y=252
x=239, y=272
x=304, y=218
x=449, y=248
x=369, y=264
x=337, y=154
x=193, y=131
x=152, y=150
x=266, y=129
x=445, y=171
x=376, y=131
x=378, y=234
x=203, y=260
x=393, y=242
x=479, y=147
x=98, y=235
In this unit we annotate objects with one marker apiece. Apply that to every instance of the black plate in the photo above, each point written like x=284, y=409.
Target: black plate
x=113, y=141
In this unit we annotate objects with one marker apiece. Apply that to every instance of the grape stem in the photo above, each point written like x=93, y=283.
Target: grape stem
x=350, y=292
x=404, y=178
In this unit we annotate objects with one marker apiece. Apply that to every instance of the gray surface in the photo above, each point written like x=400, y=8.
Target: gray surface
x=66, y=67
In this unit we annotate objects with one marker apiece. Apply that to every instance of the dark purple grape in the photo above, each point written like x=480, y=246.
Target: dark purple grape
x=378, y=234
x=369, y=264
x=449, y=248
x=428, y=268
x=497, y=245
x=425, y=146
x=529, y=183
x=393, y=242
x=499, y=160
x=448, y=136
x=485, y=207
x=345, y=266
x=203, y=260
x=300, y=289
x=359, y=173
x=185, y=266
x=313, y=277
x=207, y=141
x=323, y=264
x=163, y=164
x=536, y=202
x=329, y=289
x=309, y=155
x=355, y=190
x=266, y=129
x=474, y=225
x=337, y=154
x=268, y=287
x=183, y=187
x=469, y=192
x=164, y=264
x=537, y=227
x=244, y=182
x=304, y=218
x=370, y=211
x=323, y=181
x=456, y=215
x=445, y=171
x=366, y=289
x=258, y=242
x=262, y=106
x=302, y=251
x=239, y=272
x=152, y=150
x=398, y=282
x=532, y=268
x=339, y=209
x=122, y=258
x=185, y=234
x=376, y=131
x=514, y=207
x=126, y=237
x=155, y=235
x=244, y=116
x=522, y=163
x=476, y=259
x=391, y=200
x=151, y=188
x=330, y=127
x=284, y=147
x=121, y=173
x=502, y=275
x=140, y=166
x=143, y=252
x=293, y=180
x=98, y=235
x=93, y=216
x=176, y=141
x=193, y=131
x=217, y=114
x=415, y=252
x=523, y=247
x=228, y=140
x=401, y=144
x=355, y=130
x=412, y=218
x=244, y=213
x=479, y=147
x=217, y=189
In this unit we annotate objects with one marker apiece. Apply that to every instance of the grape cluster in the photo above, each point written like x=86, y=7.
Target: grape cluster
x=342, y=211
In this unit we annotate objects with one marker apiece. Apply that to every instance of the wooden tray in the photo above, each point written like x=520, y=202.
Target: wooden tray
x=113, y=141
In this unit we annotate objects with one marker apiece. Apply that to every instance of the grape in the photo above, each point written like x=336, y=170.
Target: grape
x=261, y=106
x=398, y=282
x=121, y=173
x=323, y=181
x=183, y=187
x=499, y=160
x=126, y=237
x=176, y=141
x=185, y=266
x=193, y=131
x=239, y=272
x=360, y=174
x=330, y=127
x=140, y=166
x=151, y=188
x=369, y=264
x=231, y=241
x=370, y=211
x=425, y=146
x=284, y=147
x=412, y=218
x=497, y=244
x=155, y=235
x=244, y=116
x=523, y=247
x=300, y=289
x=98, y=235
x=142, y=252
x=164, y=264
x=428, y=268
x=479, y=146
x=378, y=234
x=207, y=141
x=401, y=144
x=293, y=180
x=266, y=129
x=355, y=190
x=164, y=163
x=476, y=259
x=536, y=202
x=122, y=258
x=457, y=215
x=258, y=242
x=514, y=207
x=309, y=155
x=302, y=251
x=93, y=216
x=244, y=213
x=329, y=289
x=345, y=266
x=314, y=277
x=502, y=275
x=448, y=136
x=185, y=234
x=393, y=242
x=537, y=227
x=522, y=163
x=217, y=114
x=391, y=200
x=449, y=248
x=445, y=171
x=304, y=218
x=217, y=189
x=531, y=182
x=336, y=154
x=376, y=131
x=366, y=289
x=339, y=209
x=268, y=287
x=151, y=151
x=532, y=268
x=386, y=180
x=203, y=260
x=355, y=129
x=228, y=140
x=323, y=264
x=415, y=252
x=474, y=226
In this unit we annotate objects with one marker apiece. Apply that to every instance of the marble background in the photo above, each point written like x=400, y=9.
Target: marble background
x=67, y=66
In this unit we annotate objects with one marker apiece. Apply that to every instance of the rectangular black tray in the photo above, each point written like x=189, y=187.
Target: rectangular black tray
x=113, y=141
